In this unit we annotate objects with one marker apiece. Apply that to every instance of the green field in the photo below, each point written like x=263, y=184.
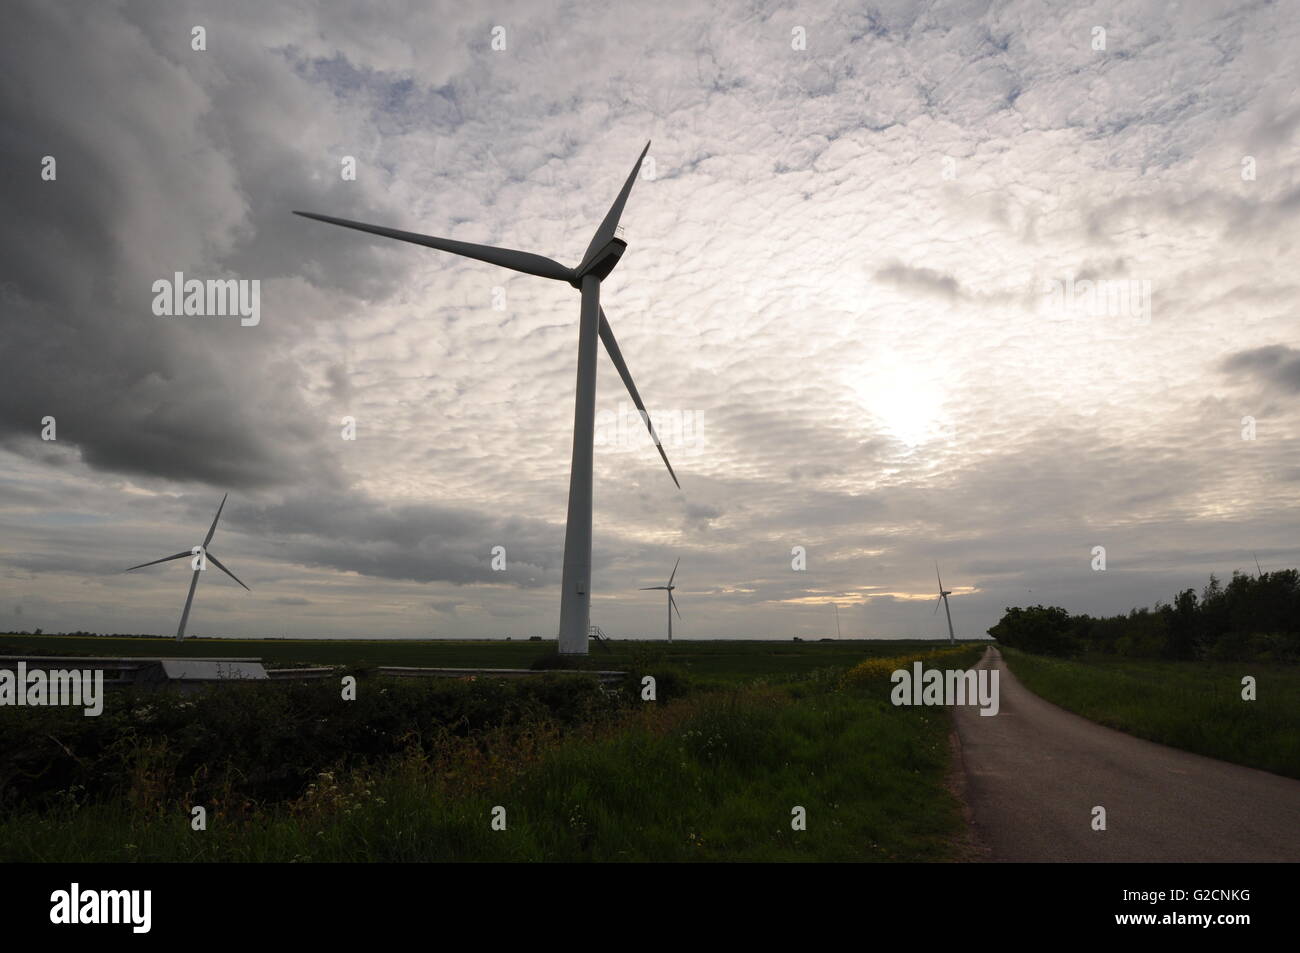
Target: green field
x=732, y=660
x=1196, y=706
x=412, y=770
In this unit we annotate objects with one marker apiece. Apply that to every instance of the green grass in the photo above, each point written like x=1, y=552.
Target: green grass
x=710, y=777
x=1196, y=706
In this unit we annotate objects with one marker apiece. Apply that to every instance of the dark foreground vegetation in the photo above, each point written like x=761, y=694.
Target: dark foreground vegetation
x=711, y=770
x=1251, y=618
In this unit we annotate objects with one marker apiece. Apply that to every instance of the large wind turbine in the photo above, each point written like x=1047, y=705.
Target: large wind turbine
x=602, y=255
x=672, y=603
x=201, y=554
x=943, y=597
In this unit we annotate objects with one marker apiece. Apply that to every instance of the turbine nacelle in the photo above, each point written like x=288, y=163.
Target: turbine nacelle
x=601, y=263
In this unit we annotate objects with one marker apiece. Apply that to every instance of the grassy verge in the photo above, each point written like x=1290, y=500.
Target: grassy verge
x=712, y=776
x=1196, y=706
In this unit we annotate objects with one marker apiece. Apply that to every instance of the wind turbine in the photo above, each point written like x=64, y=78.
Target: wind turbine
x=672, y=603
x=943, y=597
x=201, y=555
x=602, y=255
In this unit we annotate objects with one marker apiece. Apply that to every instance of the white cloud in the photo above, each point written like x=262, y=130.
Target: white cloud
x=862, y=338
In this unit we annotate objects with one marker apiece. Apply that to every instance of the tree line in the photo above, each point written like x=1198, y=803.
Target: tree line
x=1251, y=618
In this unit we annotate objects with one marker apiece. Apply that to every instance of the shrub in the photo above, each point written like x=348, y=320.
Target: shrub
x=266, y=742
x=1043, y=630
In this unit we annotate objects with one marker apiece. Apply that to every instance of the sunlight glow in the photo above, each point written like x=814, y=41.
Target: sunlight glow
x=904, y=398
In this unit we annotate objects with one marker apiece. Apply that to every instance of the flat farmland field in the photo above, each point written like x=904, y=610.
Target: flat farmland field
x=717, y=660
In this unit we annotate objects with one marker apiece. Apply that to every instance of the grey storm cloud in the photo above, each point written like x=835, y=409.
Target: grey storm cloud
x=416, y=541
x=142, y=193
x=1275, y=365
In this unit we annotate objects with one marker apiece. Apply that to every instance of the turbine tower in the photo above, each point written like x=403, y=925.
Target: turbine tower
x=672, y=603
x=943, y=597
x=201, y=554
x=602, y=255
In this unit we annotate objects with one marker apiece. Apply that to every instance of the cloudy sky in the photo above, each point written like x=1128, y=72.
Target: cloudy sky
x=856, y=297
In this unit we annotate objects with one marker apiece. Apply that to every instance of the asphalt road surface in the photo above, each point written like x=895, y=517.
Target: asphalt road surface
x=1034, y=772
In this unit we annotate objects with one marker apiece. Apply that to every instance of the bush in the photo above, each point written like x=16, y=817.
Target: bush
x=1040, y=629
x=555, y=662
x=266, y=742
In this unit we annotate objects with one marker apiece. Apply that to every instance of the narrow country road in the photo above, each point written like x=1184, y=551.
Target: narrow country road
x=1034, y=772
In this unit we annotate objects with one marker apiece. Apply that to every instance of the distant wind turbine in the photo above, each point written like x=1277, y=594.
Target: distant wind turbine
x=201, y=554
x=672, y=603
x=602, y=255
x=1259, y=573
x=837, y=620
x=943, y=597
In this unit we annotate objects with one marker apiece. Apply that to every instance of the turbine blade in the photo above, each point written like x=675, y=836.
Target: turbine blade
x=674, y=575
x=526, y=262
x=157, y=561
x=936, y=605
x=189, y=600
x=607, y=227
x=217, y=562
x=213, y=528
x=937, y=576
x=652, y=588
x=615, y=355
x=673, y=602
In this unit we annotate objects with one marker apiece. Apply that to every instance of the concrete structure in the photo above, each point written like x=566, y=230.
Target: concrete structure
x=185, y=674
x=190, y=674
